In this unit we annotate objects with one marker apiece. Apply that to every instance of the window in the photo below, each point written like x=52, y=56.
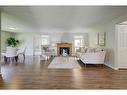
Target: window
x=78, y=42
x=44, y=40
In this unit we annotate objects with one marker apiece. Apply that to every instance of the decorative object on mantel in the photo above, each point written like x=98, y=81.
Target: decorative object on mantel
x=101, y=38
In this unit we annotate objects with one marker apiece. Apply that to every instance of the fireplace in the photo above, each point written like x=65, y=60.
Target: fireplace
x=64, y=49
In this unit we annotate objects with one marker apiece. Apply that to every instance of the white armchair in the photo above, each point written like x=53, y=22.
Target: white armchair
x=22, y=52
x=93, y=57
x=11, y=53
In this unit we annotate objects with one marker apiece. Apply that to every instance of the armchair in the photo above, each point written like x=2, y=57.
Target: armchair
x=21, y=52
x=10, y=54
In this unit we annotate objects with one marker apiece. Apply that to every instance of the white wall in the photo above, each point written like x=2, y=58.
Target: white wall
x=26, y=41
x=110, y=46
x=93, y=39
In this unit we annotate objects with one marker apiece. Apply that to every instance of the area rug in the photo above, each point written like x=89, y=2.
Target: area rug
x=64, y=63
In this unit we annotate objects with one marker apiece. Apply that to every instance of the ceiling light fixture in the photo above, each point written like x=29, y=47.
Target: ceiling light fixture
x=12, y=28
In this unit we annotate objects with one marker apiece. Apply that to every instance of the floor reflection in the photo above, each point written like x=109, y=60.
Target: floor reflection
x=2, y=83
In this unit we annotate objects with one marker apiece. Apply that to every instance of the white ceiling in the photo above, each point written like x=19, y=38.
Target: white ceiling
x=62, y=17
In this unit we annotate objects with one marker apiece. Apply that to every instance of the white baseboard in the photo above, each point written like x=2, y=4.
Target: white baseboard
x=125, y=67
x=111, y=66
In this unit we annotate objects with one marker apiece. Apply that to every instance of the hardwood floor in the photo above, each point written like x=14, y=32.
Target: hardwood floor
x=34, y=74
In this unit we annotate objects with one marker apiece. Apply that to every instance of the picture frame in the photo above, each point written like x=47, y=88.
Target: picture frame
x=101, y=38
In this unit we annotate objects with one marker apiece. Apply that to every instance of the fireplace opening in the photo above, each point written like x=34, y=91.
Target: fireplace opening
x=64, y=51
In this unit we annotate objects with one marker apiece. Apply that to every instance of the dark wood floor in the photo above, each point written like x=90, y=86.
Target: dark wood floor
x=34, y=74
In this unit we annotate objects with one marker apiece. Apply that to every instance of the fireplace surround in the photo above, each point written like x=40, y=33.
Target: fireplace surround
x=64, y=47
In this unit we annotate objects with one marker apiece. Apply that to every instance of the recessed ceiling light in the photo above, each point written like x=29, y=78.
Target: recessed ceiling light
x=12, y=28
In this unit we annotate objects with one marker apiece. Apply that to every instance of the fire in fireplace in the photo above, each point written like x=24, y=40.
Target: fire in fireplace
x=64, y=51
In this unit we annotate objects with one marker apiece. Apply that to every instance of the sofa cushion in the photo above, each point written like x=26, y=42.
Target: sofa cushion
x=98, y=49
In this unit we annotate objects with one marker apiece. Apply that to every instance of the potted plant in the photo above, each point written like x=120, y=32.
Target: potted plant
x=12, y=43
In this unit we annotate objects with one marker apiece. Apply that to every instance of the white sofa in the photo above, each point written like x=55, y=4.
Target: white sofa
x=93, y=57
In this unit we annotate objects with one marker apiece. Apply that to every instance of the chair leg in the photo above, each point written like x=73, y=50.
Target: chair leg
x=9, y=58
x=5, y=59
x=24, y=56
x=16, y=58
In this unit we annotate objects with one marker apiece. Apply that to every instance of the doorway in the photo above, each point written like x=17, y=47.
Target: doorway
x=121, y=36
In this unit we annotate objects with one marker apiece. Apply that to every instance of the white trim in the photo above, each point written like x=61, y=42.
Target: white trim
x=116, y=46
x=111, y=67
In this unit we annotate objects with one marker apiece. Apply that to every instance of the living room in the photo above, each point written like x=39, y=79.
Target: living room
x=81, y=36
